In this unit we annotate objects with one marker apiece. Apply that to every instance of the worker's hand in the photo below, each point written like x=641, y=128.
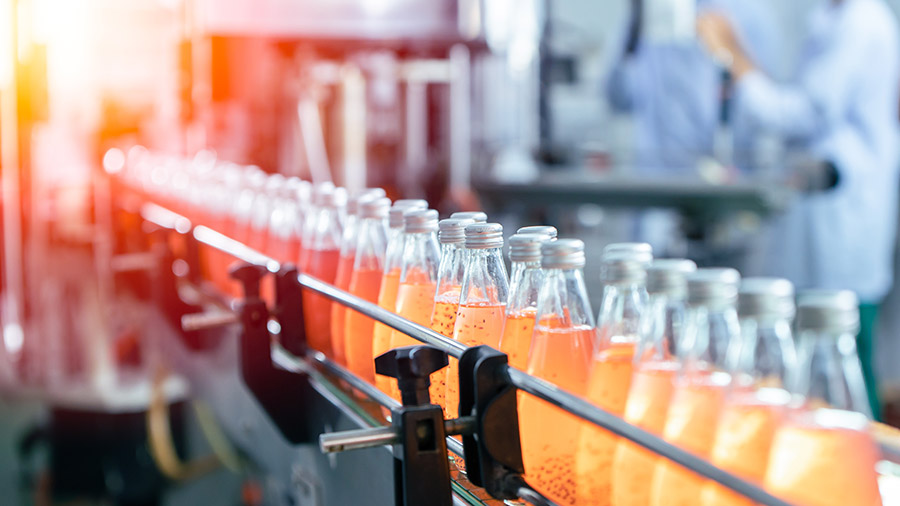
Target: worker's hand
x=717, y=33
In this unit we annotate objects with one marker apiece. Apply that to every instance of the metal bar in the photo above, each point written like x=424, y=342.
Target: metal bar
x=583, y=409
x=358, y=439
x=237, y=249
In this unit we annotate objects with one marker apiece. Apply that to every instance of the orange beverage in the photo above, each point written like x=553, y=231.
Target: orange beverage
x=516, y=340
x=476, y=324
x=690, y=424
x=358, y=327
x=608, y=386
x=415, y=302
x=746, y=429
x=549, y=435
x=824, y=458
x=381, y=335
x=338, y=311
x=442, y=321
x=323, y=265
x=648, y=403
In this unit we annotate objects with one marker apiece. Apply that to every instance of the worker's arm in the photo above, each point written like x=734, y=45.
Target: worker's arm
x=622, y=82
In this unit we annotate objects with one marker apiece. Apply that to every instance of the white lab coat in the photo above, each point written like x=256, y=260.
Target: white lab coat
x=842, y=106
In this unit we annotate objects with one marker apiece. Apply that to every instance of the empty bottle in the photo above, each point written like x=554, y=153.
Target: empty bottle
x=365, y=283
x=652, y=384
x=700, y=386
x=561, y=352
x=823, y=453
x=524, y=284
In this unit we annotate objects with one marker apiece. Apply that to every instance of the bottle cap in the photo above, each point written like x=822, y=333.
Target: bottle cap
x=484, y=235
x=375, y=208
x=539, y=229
x=418, y=221
x=476, y=216
x=622, y=268
x=453, y=231
x=526, y=247
x=401, y=206
x=562, y=254
x=713, y=287
x=831, y=311
x=766, y=298
x=359, y=196
x=668, y=277
x=641, y=251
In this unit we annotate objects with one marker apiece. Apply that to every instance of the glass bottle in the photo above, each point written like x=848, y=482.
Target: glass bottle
x=700, y=386
x=321, y=194
x=365, y=282
x=322, y=254
x=345, y=267
x=254, y=182
x=652, y=384
x=482, y=301
x=390, y=280
x=619, y=322
x=521, y=310
x=452, y=236
x=476, y=216
x=757, y=401
x=261, y=212
x=823, y=454
x=561, y=352
x=418, y=282
x=282, y=218
x=547, y=230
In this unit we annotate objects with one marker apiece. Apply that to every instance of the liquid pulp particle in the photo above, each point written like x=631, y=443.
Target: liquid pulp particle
x=358, y=328
x=323, y=265
x=338, y=311
x=442, y=322
x=648, y=402
x=516, y=340
x=381, y=335
x=415, y=302
x=608, y=387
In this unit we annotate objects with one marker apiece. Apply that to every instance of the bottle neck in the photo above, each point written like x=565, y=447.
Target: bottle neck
x=830, y=373
x=524, y=285
x=765, y=352
x=393, y=257
x=563, y=300
x=327, y=231
x=371, y=245
x=450, y=273
x=707, y=335
x=348, y=240
x=485, y=280
x=662, y=329
x=421, y=257
x=621, y=310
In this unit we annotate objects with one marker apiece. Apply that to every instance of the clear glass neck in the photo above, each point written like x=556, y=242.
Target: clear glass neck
x=421, y=258
x=524, y=286
x=348, y=239
x=707, y=335
x=328, y=230
x=563, y=301
x=621, y=310
x=371, y=245
x=829, y=372
x=764, y=354
x=485, y=280
x=662, y=330
x=450, y=272
x=393, y=257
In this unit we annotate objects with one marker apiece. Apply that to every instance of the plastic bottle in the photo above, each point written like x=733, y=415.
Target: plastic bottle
x=823, y=453
x=701, y=384
x=758, y=399
x=345, y=267
x=390, y=280
x=561, y=352
x=521, y=310
x=418, y=282
x=652, y=384
x=365, y=282
x=452, y=236
x=619, y=322
x=322, y=255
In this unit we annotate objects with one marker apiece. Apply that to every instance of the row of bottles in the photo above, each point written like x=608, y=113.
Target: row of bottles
x=697, y=356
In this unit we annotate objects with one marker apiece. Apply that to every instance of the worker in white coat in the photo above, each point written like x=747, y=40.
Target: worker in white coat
x=841, y=108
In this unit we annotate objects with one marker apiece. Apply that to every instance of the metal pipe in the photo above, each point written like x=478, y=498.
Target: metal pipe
x=358, y=439
x=205, y=321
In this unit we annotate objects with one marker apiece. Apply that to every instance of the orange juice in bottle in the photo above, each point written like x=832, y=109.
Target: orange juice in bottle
x=483, y=295
x=561, y=352
x=826, y=456
x=451, y=234
x=345, y=267
x=711, y=326
x=618, y=326
x=390, y=282
x=418, y=281
x=365, y=282
x=756, y=403
x=321, y=193
x=653, y=381
x=323, y=251
x=521, y=310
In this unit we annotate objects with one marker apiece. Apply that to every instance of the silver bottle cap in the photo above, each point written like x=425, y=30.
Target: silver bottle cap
x=420, y=220
x=375, y=208
x=622, y=268
x=395, y=216
x=641, y=251
x=668, y=277
x=476, y=216
x=453, y=231
x=766, y=298
x=539, y=229
x=484, y=235
x=716, y=287
x=831, y=311
x=364, y=194
x=562, y=254
x=526, y=247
